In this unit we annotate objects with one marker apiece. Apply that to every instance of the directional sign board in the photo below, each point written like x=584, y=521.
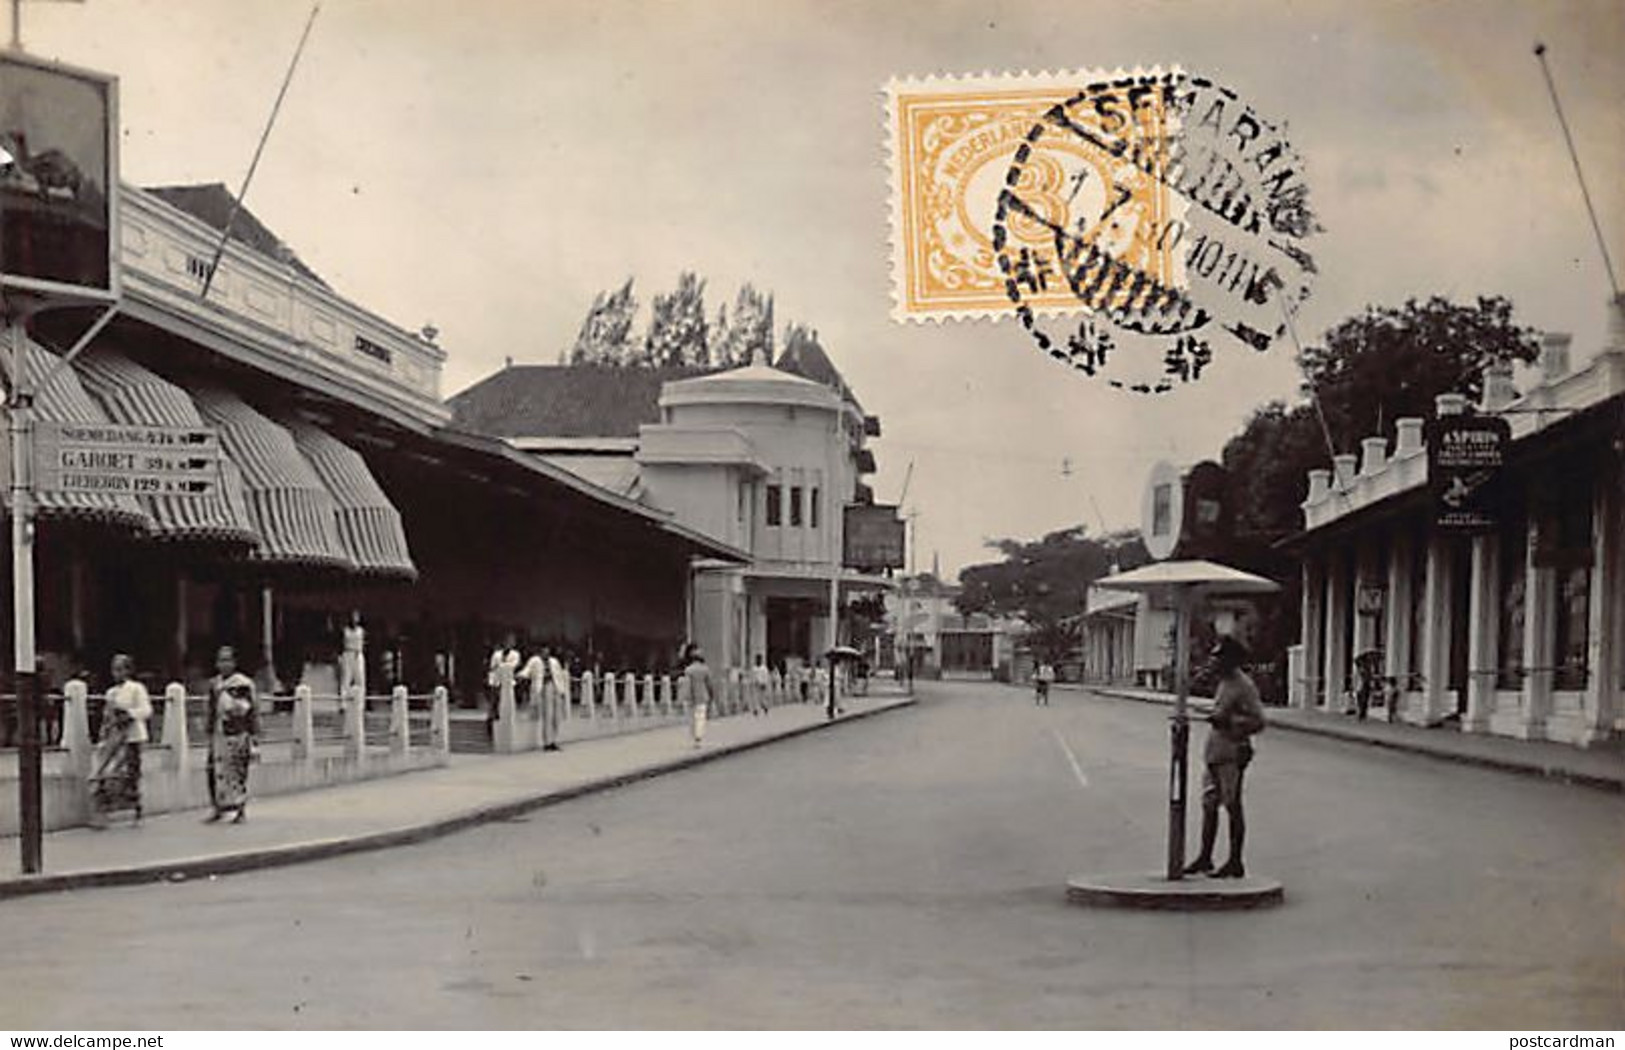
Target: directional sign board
x=1465, y=457
x=120, y=460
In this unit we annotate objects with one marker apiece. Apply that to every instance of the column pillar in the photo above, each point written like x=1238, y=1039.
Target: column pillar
x=269, y=684
x=1311, y=631
x=1367, y=574
x=1436, y=629
x=1484, y=634
x=1334, y=668
x=1397, y=645
x=1539, y=629
x=183, y=618
x=1607, y=619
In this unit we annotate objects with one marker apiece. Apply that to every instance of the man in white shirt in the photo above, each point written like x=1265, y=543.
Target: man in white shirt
x=504, y=666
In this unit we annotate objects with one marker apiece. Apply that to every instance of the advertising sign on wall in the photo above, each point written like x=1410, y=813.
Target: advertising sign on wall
x=873, y=538
x=1465, y=457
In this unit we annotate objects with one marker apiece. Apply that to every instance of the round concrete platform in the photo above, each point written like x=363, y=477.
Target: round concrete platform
x=1197, y=893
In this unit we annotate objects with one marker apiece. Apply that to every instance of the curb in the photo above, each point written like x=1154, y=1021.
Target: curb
x=1534, y=769
x=323, y=849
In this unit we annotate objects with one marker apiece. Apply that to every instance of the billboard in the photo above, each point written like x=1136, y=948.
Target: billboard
x=1465, y=457
x=873, y=538
x=58, y=179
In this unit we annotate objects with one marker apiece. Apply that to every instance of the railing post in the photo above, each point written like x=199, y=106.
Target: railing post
x=177, y=736
x=440, y=721
x=506, y=736
x=400, y=725
x=612, y=707
x=354, y=707
x=587, y=699
x=76, y=726
x=665, y=695
x=629, y=692
x=304, y=725
x=651, y=705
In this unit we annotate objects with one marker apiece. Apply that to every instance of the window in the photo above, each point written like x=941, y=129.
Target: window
x=775, y=509
x=795, y=505
x=198, y=267
x=812, y=509
x=740, y=491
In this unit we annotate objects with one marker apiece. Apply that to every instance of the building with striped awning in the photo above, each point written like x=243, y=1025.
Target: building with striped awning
x=63, y=399
x=345, y=488
x=131, y=394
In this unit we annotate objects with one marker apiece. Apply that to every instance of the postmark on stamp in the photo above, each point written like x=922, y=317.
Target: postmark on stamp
x=1126, y=220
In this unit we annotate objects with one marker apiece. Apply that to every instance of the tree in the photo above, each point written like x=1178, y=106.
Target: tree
x=1390, y=362
x=737, y=340
x=606, y=332
x=678, y=334
x=1046, y=582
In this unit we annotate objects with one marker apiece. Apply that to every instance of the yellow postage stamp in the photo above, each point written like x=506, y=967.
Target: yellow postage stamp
x=961, y=145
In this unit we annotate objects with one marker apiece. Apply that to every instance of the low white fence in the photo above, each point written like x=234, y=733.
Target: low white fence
x=306, y=742
x=625, y=702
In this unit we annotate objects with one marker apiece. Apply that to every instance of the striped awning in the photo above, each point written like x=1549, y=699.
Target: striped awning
x=130, y=393
x=368, y=523
x=291, y=509
x=65, y=401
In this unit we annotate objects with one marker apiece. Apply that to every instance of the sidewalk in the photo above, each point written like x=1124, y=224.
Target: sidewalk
x=399, y=810
x=1600, y=767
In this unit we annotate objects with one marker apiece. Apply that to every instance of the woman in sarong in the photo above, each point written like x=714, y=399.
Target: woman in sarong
x=115, y=771
x=234, y=729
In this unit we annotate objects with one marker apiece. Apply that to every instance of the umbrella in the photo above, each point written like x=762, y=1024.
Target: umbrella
x=844, y=652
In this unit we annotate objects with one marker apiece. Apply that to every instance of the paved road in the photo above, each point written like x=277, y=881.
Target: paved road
x=906, y=871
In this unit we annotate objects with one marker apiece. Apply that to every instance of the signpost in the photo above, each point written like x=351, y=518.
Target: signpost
x=127, y=460
x=58, y=248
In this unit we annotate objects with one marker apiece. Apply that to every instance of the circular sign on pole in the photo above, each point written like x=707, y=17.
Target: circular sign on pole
x=1185, y=513
x=1162, y=510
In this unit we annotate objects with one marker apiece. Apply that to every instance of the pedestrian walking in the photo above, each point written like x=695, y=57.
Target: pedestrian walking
x=234, y=730
x=1237, y=716
x=701, y=692
x=761, y=686
x=115, y=778
x=1043, y=678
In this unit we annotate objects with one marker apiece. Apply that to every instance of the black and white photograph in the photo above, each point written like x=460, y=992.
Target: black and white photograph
x=815, y=515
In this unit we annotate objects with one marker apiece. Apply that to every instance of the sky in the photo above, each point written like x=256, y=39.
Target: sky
x=488, y=166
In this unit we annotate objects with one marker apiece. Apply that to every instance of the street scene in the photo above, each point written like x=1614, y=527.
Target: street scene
x=894, y=873
x=716, y=516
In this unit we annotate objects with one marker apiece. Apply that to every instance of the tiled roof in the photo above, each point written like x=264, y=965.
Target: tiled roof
x=808, y=360
x=564, y=400
x=211, y=202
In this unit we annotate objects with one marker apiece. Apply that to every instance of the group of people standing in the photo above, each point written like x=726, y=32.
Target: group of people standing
x=547, y=691
x=233, y=742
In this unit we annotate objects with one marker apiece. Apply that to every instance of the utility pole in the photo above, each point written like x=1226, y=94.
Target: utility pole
x=20, y=430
